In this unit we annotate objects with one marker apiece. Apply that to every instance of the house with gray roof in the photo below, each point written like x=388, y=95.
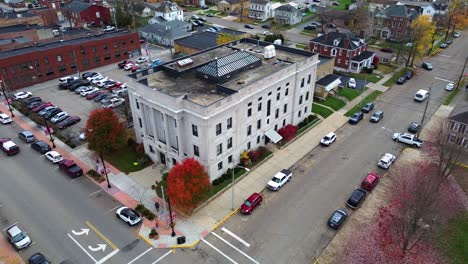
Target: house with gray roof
x=82, y=14
x=287, y=15
x=166, y=32
x=458, y=124
x=169, y=11
x=393, y=22
x=260, y=9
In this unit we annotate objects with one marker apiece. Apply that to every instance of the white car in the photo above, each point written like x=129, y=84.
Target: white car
x=67, y=79
x=5, y=119
x=142, y=59
x=386, y=161
x=128, y=215
x=267, y=33
x=450, y=86
x=88, y=91
x=114, y=102
x=53, y=156
x=109, y=29
x=94, y=77
x=18, y=237
x=328, y=139
x=279, y=180
x=121, y=90
x=128, y=66
x=99, y=79
x=102, y=82
x=59, y=117
x=407, y=139
x=83, y=136
x=352, y=83
x=22, y=95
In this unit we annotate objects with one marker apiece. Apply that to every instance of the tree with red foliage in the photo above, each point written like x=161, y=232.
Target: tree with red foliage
x=254, y=155
x=288, y=132
x=188, y=184
x=104, y=132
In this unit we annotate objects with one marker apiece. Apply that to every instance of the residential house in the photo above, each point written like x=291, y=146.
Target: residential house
x=349, y=51
x=458, y=124
x=393, y=22
x=327, y=82
x=195, y=2
x=49, y=16
x=202, y=40
x=165, y=33
x=423, y=8
x=81, y=14
x=260, y=9
x=54, y=4
x=287, y=15
x=233, y=6
x=169, y=11
x=378, y=5
x=144, y=9
x=16, y=3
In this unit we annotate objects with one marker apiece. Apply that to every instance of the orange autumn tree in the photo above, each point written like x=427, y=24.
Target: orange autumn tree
x=188, y=184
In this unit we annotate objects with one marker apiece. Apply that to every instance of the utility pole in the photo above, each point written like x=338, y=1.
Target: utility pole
x=462, y=73
x=113, y=10
x=425, y=110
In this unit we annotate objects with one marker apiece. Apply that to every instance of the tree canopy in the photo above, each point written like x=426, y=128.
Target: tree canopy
x=104, y=131
x=224, y=38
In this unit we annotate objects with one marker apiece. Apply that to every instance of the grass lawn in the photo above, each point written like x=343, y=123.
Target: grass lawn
x=454, y=240
x=307, y=32
x=349, y=93
x=451, y=96
x=395, y=77
x=192, y=8
x=300, y=46
x=123, y=160
x=334, y=103
x=320, y=110
x=214, y=12
x=302, y=129
x=385, y=68
x=371, y=77
x=342, y=3
x=370, y=98
x=141, y=21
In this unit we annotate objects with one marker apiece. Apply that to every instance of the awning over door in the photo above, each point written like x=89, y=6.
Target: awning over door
x=273, y=136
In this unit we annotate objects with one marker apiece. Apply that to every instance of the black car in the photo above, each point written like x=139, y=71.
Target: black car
x=34, y=104
x=101, y=96
x=38, y=258
x=356, y=198
x=368, y=107
x=266, y=26
x=69, y=122
x=337, y=218
x=409, y=75
x=376, y=116
x=210, y=15
x=88, y=74
x=77, y=83
x=200, y=23
x=401, y=80
x=52, y=112
x=41, y=147
x=32, y=99
x=202, y=19
x=310, y=27
x=249, y=26
x=427, y=66
x=414, y=127
x=448, y=41
x=356, y=118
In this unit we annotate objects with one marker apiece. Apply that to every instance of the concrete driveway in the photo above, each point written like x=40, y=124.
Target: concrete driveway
x=360, y=84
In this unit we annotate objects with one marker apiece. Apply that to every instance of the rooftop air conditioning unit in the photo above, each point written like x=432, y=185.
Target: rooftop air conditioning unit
x=184, y=62
x=277, y=42
x=269, y=52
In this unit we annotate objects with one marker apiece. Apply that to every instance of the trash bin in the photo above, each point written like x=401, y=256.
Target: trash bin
x=181, y=240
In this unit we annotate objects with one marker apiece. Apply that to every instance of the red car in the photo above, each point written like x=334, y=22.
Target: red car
x=370, y=181
x=93, y=95
x=251, y=203
x=70, y=168
x=41, y=106
x=123, y=63
x=134, y=68
x=115, y=86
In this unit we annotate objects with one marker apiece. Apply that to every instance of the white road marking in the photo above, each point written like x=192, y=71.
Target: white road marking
x=99, y=247
x=442, y=79
x=76, y=179
x=238, y=250
x=82, y=248
x=91, y=194
x=104, y=259
x=163, y=256
x=235, y=236
x=114, y=208
x=139, y=256
x=82, y=232
x=219, y=251
x=444, y=55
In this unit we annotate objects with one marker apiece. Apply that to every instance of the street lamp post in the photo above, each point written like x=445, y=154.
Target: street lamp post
x=105, y=170
x=173, y=234
x=233, y=179
x=48, y=131
x=6, y=98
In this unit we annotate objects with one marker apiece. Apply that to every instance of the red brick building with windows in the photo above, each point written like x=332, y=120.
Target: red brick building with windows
x=46, y=61
x=81, y=14
x=349, y=51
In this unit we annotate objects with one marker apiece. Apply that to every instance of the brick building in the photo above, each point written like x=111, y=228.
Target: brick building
x=81, y=14
x=49, y=16
x=349, y=51
x=393, y=22
x=42, y=62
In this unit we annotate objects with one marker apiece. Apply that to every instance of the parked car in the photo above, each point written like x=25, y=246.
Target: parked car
x=352, y=83
x=45, y=110
x=108, y=29
x=448, y=41
x=356, y=117
x=114, y=102
x=386, y=161
x=59, y=117
x=70, y=168
x=427, y=66
x=71, y=120
x=401, y=80
x=328, y=139
x=408, y=75
x=135, y=68
x=22, y=95
x=41, y=106
x=9, y=147
x=142, y=59
x=407, y=139
x=337, y=219
x=67, y=79
x=109, y=84
x=128, y=66
x=248, y=26
x=95, y=78
x=27, y=136
x=195, y=17
x=254, y=200
x=202, y=19
x=316, y=24
x=85, y=92
x=266, y=26
x=421, y=95
x=195, y=23
x=414, y=127
x=99, y=79
x=94, y=94
x=356, y=198
x=52, y=112
x=387, y=50
x=82, y=88
x=78, y=84
x=331, y=25
x=368, y=107
x=210, y=15
x=121, y=90
x=310, y=27
x=156, y=63
x=123, y=63
x=31, y=100
x=128, y=215
x=371, y=180
x=102, y=82
x=107, y=99
x=34, y=104
x=5, y=119
x=279, y=180
x=200, y=23
x=101, y=96
x=444, y=45
x=450, y=86
x=376, y=116
x=41, y=146
x=53, y=156
x=457, y=34
x=17, y=237
x=38, y=258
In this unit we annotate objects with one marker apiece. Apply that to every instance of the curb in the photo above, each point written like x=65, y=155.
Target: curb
x=144, y=238
x=225, y=219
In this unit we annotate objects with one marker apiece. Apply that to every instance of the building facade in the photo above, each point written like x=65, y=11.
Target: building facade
x=287, y=15
x=169, y=11
x=215, y=104
x=458, y=125
x=260, y=9
x=393, y=22
x=81, y=14
x=166, y=32
x=46, y=61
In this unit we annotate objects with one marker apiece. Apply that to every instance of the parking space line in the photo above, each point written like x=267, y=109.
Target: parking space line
x=104, y=259
x=219, y=251
x=101, y=235
x=238, y=250
x=163, y=256
x=91, y=194
x=442, y=79
x=235, y=236
x=113, y=208
x=141, y=255
x=444, y=55
x=76, y=179
x=82, y=248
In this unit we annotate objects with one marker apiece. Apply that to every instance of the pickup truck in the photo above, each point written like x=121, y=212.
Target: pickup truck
x=70, y=168
x=407, y=139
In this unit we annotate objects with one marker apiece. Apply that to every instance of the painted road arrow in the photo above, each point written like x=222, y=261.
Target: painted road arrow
x=99, y=247
x=82, y=232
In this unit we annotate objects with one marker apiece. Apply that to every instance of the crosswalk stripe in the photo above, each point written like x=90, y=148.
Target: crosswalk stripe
x=238, y=250
x=219, y=251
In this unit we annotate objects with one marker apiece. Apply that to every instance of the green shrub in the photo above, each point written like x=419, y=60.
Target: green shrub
x=131, y=142
x=139, y=208
x=164, y=176
x=153, y=232
x=145, y=212
x=151, y=216
x=215, y=182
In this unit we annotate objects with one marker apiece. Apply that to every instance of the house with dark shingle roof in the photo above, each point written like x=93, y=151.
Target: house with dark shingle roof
x=393, y=22
x=169, y=11
x=166, y=32
x=203, y=40
x=458, y=124
x=349, y=51
x=287, y=15
x=82, y=14
x=261, y=9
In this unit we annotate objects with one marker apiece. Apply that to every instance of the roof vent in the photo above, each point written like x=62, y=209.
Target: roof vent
x=19, y=15
x=184, y=62
x=269, y=52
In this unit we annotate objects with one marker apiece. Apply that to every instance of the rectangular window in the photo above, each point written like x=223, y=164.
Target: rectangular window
x=139, y=121
x=195, y=130
x=196, y=151
x=310, y=76
x=219, y=149
x=278, y=89
x=249, y=112
x=285, y=108
x=151, y=149
x=248, y=146
x=218, y=129
x=229, y=123
x=268, y=107
x=286, y=92
x=137, y=105
x=229, y=143
x=302, y=82
x=259, y=124
x=278, y=96
x=259, y=108
x=300, y=99
x=220, y=165
x=276, y=113
x=284, y=122
x=230, y=159
x=269, y=94
x=260, y=99
x=249, y=130
x=299, y=114
x=305, y=110
x=258, y=139
x=307, y=96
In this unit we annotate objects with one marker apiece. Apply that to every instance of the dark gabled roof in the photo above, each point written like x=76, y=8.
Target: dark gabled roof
x=167, y=7
x=326, y=80
x=340, y=40
x=199, y=41
x=363, y=56
x=175, y=28
x=287, y=8
x=76, y=6
x=13, y=15
x=19, y=28
x=139, y=7
x=398, y=11
x=260, y=2
x=460, y=112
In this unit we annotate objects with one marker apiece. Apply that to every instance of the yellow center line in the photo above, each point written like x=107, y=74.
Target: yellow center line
x=101, y=235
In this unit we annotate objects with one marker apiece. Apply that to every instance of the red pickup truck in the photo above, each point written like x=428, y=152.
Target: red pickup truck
x=70, y=168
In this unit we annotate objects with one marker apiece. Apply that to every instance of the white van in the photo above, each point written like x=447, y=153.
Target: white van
x=421, y=95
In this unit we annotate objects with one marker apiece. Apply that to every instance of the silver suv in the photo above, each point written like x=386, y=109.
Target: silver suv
x=17, y=237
